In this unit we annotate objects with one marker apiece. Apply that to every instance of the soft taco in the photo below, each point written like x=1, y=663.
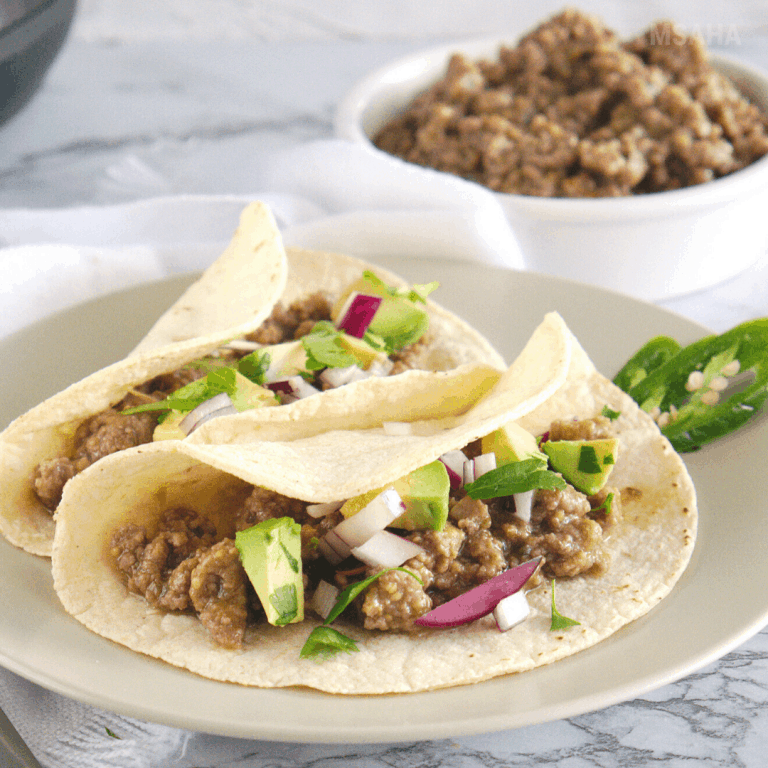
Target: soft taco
x=220, y=336
x=214, y=557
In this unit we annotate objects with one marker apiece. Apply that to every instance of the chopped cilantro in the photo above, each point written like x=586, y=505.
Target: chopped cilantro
x=515, y=477
x=255, y=366
x=111, y=733
x=324, y=348
x=606, y=506
x=285, y=601
x=588, y=461
x=610, y=413
x=325, y=643
x=609, y=459
x=292, y=561
x=558, y=620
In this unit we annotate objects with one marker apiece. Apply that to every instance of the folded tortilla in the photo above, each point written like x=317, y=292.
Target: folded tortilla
x=232, y=298
x=552, y=378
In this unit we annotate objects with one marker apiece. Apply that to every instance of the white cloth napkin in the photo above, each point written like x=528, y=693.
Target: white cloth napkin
x=327, y=195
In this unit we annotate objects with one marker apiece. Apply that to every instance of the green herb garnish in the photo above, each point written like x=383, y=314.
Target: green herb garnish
x=285, y=601
x=324, y=642
x=324, y=348
x=558, y=620
x=255, y=366
x=606, y=506
x=610, y=413
x=588, y=461
x=111, y=733
x=515, y=477
x=292, y=561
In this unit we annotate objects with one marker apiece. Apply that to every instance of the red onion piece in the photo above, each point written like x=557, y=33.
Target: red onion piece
x=468, y=472
x=386, y=550
x=338, y=543
x=205, y=409
x=293, y=388
x=484, y=463
x=321, y=510
x=524, y=505
x=511, y=611
x=324, y=598
x=454, y=463
x=338, y=377
x=357, y=313
x=481, y=600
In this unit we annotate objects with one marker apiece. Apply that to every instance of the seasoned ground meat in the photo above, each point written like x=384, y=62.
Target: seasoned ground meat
x=571, y=111
x=98, y=436
x=596, y=428
x=218, y=591
x=395, y=599
x=292, y=323
x=263, y=504
x=150, y=563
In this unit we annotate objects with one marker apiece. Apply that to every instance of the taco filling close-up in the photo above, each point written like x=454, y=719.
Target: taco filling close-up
x=260, y=328
x=417, y=554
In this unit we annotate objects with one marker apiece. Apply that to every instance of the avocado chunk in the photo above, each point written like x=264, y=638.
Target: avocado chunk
x=424, y=493
x=245, y=395
x=271, y=556
x=586, y=464
x=398, y=320
x=511, y=443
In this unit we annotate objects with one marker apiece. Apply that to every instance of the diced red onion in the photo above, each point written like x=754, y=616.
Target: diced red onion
x=524, y=505
x=511, y=611
x=292, y=389
x=242, y=345
x=454, y=463
x=468, y=472
x=397, y=428
x=228, y=410
x=208, y=407
x=338, y=543
x=357, y=313
x=324, y=598
x=484, y=463
x=380, y=367
x=386, y=550
x=481, y=600
x=321, y=510
x=338, y=377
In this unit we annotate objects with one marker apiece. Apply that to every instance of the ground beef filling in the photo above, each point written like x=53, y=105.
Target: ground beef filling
x=183, y=565
x=572, y=111
x=110, y=431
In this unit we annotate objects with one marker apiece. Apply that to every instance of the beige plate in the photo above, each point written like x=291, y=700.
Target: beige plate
x=719, y=602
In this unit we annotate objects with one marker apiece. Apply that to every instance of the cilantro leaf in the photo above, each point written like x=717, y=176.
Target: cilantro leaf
x=610, y=413
x=588, y=461
x=255, y=366
x=325, y=642
x=606, y=506
x=292, y=561
x=558, y=620
x=515, y=477
x=188, y=397
x=324, y=348
x=285, y=601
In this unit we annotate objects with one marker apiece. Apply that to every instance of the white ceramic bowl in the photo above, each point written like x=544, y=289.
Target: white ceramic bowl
x=651, y=246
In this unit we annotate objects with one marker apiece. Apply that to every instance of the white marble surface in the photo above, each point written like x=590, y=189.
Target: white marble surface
x=160, y=98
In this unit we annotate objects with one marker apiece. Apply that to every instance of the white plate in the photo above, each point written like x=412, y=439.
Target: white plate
x=719, y=602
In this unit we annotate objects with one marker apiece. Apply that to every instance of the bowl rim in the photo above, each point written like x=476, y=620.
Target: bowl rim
x=753, y=178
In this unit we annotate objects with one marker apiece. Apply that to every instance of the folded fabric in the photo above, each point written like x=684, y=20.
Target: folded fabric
x=328, y=195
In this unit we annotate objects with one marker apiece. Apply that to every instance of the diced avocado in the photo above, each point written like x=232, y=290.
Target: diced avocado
x=398, y=320
x=271, y=556
x=511, y=443
x=424, y=493
x=245, y=396
x=585, y=464
x=363, y=352
x=285, y=360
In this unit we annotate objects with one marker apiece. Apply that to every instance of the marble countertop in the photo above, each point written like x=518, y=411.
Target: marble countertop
x=122, y=118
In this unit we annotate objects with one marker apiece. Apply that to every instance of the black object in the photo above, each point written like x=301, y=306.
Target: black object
x=31, y=34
